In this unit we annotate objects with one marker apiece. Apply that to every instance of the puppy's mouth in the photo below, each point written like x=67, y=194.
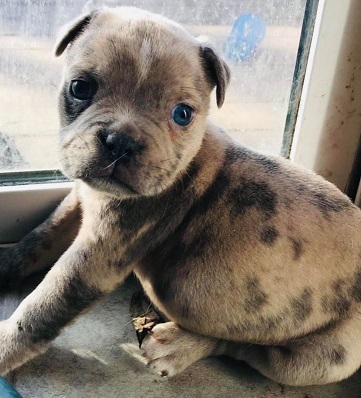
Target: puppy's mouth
x=120, y=182
x=115, y=174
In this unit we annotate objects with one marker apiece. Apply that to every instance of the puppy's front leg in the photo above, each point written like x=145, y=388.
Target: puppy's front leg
x=79, y=278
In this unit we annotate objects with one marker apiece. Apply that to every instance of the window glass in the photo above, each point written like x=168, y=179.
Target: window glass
x=258, y=38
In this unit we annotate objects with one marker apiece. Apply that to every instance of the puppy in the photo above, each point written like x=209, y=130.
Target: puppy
x=247, y=255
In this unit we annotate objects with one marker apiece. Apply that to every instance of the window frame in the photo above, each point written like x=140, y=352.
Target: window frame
x=327, y=129
x=25, y=206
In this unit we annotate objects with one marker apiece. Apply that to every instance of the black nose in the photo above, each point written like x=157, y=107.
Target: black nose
x=120, y=146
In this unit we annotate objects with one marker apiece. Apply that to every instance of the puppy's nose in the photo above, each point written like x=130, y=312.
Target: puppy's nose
x=120, y=146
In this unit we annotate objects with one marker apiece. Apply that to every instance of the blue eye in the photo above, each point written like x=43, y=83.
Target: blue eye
x=182, y=114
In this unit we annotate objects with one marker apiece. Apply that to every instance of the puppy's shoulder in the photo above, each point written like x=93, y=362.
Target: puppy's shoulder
x=289, y=182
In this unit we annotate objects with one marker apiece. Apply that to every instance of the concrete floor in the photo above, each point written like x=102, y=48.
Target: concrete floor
x=95, y=357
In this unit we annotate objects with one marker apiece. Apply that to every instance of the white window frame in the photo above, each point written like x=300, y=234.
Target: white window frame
x=326, y=133
x=328, y=125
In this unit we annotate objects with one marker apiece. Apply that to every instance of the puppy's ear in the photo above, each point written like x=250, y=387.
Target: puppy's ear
x=71, y=31
x=217, y=72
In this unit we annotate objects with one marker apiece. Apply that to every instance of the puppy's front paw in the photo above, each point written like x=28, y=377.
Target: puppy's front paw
x=170, y=349
x=6, y=344
x=15, y=346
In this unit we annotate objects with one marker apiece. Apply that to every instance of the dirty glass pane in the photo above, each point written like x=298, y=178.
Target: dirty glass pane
x=258, y=38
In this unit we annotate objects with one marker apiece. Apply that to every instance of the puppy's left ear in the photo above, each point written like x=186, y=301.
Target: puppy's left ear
x=71, y=31
x=217, y=72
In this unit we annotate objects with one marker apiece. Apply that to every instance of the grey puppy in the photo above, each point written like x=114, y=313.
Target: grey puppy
x=247, y=255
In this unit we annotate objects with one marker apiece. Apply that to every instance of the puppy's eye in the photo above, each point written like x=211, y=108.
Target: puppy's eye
x=182, y=114
x=82, y=89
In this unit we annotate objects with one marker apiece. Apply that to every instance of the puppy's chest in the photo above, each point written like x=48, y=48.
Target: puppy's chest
x=130, y=229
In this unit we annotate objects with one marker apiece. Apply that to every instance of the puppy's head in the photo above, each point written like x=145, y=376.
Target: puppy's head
x=134, y=100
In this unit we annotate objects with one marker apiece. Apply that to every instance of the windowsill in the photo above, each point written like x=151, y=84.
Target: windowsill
x=26, y=206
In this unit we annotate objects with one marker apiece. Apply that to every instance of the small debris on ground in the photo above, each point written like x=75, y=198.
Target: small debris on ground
x=144, y=315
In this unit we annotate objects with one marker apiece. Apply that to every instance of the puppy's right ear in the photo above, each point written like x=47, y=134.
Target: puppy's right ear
x=71, y=31
x=217, y=72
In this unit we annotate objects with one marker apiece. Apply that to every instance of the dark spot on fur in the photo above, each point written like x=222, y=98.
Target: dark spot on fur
x=329, y=204
x=288, y=203
x=235, y=153
x=83, y=256
x=297, y=248
x=47, y=244
x=325, y=201
x=253, y=194
x=339, y=286
x=119, y=264
x=269, y=235
x=338, y=302
x=32, y=256
x=338, y=355
x=356, y=287
x=270, y=165
x=302, y=306
x=268, y=322
x=185, y=307
x=256, y=298
x=196, y=247
x=75, y=297
x=284, y=350
x=132, y=215
x=162, y=288
x=20, y=327
x=337, y=305
x=340, y=306
x=212, y=194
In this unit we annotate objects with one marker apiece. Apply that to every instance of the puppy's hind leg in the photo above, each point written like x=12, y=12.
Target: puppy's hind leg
x=328, y=356
x=324, y=357
x=42, y=247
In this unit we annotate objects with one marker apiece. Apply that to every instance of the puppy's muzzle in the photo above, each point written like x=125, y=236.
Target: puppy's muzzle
x=119, y=146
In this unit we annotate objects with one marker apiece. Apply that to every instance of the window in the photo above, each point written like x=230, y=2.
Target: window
x=258, y=38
